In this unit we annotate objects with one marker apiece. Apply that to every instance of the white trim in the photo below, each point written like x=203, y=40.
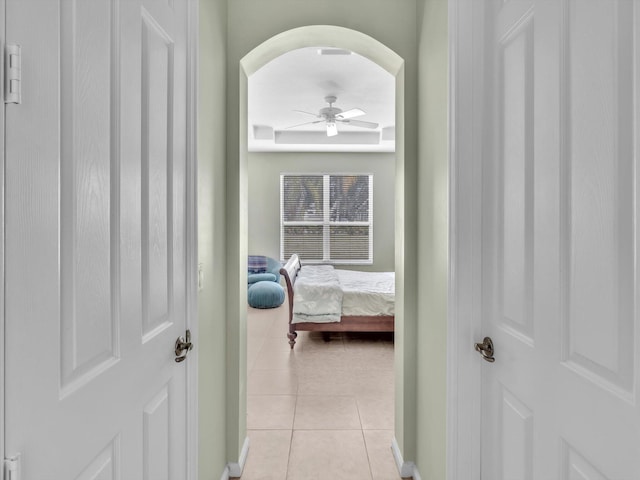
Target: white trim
x=416, y=474
x=2, y=252
x=466, y=84
x=235, y=469
x=225, y=474
x=192, y=239
x=406, y=469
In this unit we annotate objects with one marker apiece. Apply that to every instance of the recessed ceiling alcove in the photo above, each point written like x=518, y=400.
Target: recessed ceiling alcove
x=321, y=99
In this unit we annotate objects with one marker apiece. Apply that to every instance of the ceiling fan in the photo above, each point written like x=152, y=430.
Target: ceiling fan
x=333, y=115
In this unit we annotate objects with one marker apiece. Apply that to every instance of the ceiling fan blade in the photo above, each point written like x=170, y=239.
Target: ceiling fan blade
x=354, y=112
x=359, y=123
x=301, y=124
x=308, y=113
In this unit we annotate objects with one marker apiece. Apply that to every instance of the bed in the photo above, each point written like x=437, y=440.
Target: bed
x=366, y=302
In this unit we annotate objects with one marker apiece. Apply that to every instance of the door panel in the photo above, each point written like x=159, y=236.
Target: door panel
x=106, y=464
x=598, y=240
x=560, y=241
x=157, y=72
x=95, y=240
x=509, y=413
x=517, y=438
x=89, y=225
x=598, y=193
x=516, y=223
x=577, y=468
x=157, y=434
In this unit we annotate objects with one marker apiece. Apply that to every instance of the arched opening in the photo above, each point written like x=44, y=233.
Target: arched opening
x=330, y=36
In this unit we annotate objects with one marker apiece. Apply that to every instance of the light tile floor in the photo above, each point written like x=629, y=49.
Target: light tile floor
x=319, y=411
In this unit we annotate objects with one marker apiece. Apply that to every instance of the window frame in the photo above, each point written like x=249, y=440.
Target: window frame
x=326, y=222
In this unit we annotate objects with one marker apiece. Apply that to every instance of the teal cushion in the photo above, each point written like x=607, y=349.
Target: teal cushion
x=265, y=295
x=273, y=266
x=260, y=277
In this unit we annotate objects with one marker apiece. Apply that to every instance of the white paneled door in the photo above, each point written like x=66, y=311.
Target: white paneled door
x=560, y=241
x=96, y=232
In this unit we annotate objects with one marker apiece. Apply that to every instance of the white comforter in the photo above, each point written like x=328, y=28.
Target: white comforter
x=367, y=293
x=318, y=295
x=323, y=294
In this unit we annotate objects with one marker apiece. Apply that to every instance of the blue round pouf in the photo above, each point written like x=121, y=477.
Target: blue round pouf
x=265, y=294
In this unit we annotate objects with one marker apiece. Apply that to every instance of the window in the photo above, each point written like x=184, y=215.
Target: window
x=327, y=218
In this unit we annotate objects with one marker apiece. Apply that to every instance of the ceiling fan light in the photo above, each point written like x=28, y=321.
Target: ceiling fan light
x=332, y=130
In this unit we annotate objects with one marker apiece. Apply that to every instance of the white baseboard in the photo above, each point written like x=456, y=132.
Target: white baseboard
x=225, y=474
x=235, y=469
x=406, y=469
x=416, y=475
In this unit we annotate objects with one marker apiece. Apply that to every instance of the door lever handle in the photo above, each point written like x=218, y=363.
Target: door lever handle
x=183, y=346
x=486, y=349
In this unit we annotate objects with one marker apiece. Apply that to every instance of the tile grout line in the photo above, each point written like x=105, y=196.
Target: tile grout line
x=286, y=473
x=366, y=449
x=364, y=439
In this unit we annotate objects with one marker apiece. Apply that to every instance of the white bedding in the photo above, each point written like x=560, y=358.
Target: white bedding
x=318, y=295
x=323, y=294
x=367, y=293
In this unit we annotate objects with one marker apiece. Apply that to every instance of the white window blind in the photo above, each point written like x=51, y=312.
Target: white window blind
x=327, y=218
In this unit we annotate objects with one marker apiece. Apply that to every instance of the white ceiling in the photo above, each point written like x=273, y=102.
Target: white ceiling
x=299, y=80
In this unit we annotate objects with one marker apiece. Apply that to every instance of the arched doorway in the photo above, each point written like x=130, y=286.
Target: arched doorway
x=331, y=36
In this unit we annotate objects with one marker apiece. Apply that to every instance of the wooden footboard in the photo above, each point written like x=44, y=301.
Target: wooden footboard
x=376, y=323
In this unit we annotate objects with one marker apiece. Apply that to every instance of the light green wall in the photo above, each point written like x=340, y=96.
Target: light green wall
x=393, y=23
x=210, y=341
x=264, y=197
x=417, y=31
x=433, y=260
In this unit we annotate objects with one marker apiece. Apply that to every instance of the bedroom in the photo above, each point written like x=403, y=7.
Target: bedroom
x=278, y=93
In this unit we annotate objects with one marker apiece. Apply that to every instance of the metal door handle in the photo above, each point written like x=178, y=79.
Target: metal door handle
x=183, y=346
x=486, y=349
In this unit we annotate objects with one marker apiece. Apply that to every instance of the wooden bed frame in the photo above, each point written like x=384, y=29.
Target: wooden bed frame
x=376, y=323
